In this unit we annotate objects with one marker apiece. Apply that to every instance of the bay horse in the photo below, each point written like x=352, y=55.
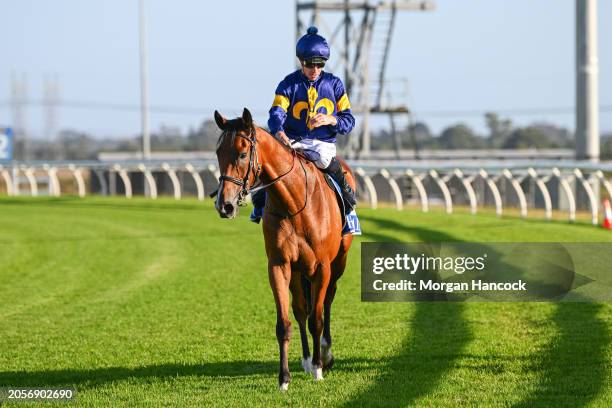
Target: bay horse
x=302, y=227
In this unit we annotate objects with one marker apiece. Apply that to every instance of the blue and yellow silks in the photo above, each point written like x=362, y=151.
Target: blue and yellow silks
x=297, y=100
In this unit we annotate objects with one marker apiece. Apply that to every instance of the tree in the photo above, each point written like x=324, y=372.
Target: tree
x=606, y=147
x=167, y=139
x=76, y=145
x=418, y=134
x=381, y=140
x=460, y=137
x=499, y=129
x=525, y=138
x=205, y=138
x=557, y=136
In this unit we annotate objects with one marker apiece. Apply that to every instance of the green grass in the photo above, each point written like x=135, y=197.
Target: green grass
x=164, y=303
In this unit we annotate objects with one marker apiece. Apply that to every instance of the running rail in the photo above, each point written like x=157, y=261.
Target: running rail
x=574, y=181
x=499, y=208
x=176, y=185
x=127, y=184
x=369, y=185
x=541, y=184
x=506, y=173
x=397, y=194
x=448, y=201
x=417, y=180
x=7, y=180
x=152, y=191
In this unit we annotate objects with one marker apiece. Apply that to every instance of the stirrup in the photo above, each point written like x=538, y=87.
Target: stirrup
x=256, y=215
x=350, y=202
x=348, y=207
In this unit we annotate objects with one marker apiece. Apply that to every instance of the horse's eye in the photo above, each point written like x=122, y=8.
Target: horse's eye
x=243, y=155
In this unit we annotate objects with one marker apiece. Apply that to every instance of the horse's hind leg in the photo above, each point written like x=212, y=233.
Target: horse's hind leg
x=300, y=311
x=326, y=341
x=280, y=276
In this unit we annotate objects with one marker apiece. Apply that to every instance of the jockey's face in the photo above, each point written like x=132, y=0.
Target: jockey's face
x=311, y=72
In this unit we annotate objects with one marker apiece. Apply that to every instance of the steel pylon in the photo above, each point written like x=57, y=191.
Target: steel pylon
x=360, y=34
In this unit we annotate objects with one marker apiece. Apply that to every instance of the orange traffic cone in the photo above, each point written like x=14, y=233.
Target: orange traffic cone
x=607, y=222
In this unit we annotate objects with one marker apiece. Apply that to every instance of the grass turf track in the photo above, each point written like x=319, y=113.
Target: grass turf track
x=164, y=303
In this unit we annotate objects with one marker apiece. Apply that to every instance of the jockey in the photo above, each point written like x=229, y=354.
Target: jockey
x=310, y=108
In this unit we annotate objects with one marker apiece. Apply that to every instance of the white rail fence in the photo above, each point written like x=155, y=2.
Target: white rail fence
x=569, y=188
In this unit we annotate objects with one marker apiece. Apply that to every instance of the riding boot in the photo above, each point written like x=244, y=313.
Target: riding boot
x=259, y=202
x=348, y=195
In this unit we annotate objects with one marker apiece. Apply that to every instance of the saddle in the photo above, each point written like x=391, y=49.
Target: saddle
x=350, y=222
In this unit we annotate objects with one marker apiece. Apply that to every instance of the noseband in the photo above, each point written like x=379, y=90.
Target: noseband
x=255, y=167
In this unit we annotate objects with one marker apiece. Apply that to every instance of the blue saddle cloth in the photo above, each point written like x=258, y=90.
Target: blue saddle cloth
x=350, y=222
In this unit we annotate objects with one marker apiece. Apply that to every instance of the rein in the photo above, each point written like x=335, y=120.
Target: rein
x=255, y=166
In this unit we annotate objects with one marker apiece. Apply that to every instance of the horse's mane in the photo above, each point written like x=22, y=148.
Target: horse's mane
x=235, y=125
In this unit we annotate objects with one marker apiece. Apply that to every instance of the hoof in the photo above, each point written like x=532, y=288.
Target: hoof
x=307, y=365
x=283, y=387
x=329, y=364
x=317, y=373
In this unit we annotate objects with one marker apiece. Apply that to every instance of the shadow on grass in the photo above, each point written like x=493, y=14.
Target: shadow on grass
x=572, y=370
x=435, y=337
x=91, y=378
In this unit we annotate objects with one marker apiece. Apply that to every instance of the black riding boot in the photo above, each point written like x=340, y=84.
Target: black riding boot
x=259, y=201
x=348, y=195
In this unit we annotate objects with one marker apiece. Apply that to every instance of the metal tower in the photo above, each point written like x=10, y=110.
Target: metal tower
x=18, y=101
x=51, y=100
x=360, y=33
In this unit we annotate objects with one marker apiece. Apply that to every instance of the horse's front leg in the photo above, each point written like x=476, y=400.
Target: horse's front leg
x=280, y=276
x=315, y=320
x=300, y=311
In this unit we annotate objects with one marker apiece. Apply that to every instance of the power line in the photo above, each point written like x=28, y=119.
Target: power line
x=121, y=107
x=508, y=111
x=190, y=110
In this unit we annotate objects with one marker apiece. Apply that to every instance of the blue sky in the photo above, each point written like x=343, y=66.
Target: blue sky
x=468, y=55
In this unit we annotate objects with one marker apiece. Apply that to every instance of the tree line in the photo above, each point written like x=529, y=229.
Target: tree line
x=501, y=134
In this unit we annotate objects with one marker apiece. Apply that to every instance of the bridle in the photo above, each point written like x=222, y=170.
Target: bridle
x=254, y=166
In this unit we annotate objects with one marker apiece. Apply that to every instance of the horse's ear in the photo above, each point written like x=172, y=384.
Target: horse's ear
x=221, y=121
x=247, y=119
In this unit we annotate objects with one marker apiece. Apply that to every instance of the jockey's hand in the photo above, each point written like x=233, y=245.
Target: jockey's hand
x=321, y=120
x=283, y=137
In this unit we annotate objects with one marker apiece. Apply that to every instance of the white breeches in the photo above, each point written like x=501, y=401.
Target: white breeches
x=319, y=152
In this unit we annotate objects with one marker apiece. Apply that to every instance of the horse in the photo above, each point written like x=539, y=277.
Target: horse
x=302, y=226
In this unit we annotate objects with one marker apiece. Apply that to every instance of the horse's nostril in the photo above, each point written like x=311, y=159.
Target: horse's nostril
x=228, y=207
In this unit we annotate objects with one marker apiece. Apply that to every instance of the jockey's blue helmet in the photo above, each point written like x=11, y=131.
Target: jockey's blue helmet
x=312, y=47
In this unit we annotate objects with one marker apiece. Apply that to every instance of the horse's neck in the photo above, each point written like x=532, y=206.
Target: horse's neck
x=290, y=191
